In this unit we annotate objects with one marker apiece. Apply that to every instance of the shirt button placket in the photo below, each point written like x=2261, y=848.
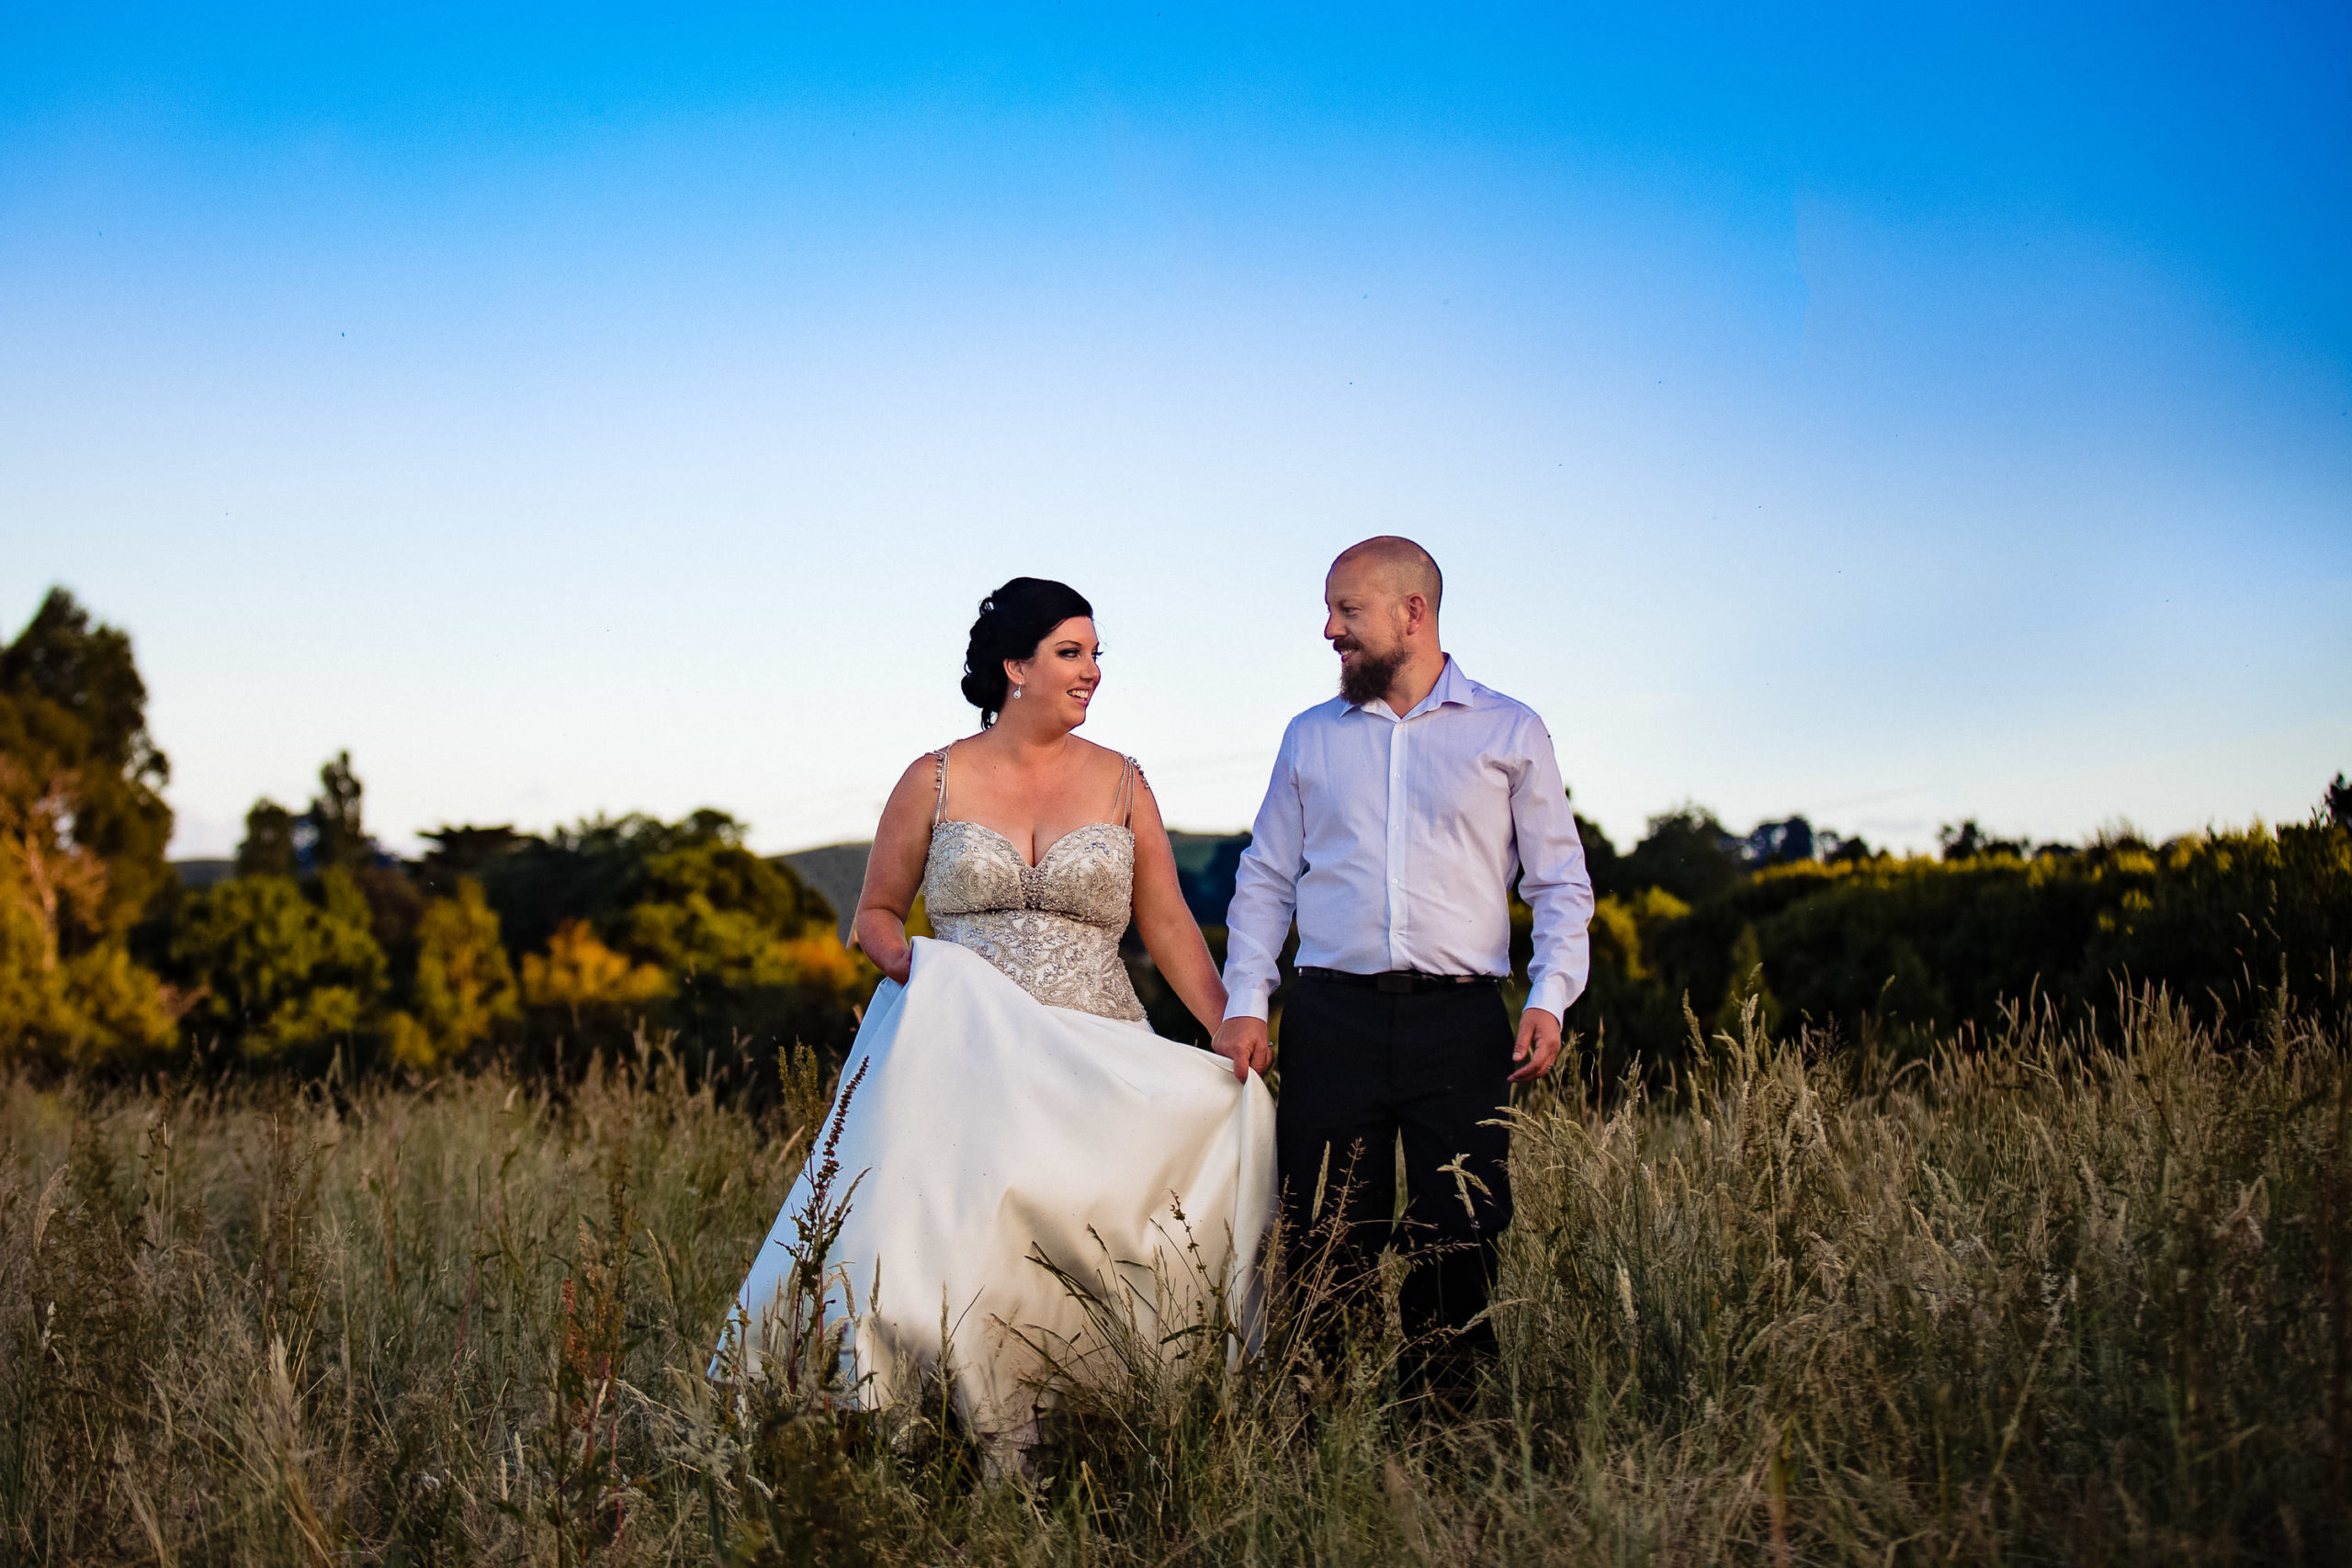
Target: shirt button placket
x=1397, y=922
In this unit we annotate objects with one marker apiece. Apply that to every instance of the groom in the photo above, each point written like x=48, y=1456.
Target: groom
x=1399, y=814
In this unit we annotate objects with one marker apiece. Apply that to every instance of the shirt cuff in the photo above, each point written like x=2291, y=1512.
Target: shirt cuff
x=1250, y=1001
x=1551, y=994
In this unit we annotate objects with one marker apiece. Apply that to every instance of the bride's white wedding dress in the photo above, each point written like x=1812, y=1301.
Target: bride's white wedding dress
x=1014, y=1105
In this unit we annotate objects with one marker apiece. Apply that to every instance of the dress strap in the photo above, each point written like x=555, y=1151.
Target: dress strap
x=1126, y=810
x=939, y=811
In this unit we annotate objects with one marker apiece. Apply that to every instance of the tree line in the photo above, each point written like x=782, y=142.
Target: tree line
x=1891, y=952
x=321, y=948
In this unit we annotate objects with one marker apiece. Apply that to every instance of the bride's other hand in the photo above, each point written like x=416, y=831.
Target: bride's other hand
x=1243, y=1043
x=894, y=869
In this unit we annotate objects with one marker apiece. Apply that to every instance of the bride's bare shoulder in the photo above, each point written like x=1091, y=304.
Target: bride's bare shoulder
x=1100, y=759
x=921, y=774
x=926, y=766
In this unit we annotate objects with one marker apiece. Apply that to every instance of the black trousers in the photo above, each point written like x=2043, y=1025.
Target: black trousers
x=1361, y=1066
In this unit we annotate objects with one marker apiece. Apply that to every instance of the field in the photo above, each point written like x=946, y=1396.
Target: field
x=2048, y=1298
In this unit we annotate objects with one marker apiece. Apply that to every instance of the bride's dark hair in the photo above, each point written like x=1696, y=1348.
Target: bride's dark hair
x=1014, y=621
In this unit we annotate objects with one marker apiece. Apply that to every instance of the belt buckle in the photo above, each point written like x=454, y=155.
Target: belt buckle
x=1395, y=983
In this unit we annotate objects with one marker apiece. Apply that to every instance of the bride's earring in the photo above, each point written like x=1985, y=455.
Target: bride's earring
x=1016, y=693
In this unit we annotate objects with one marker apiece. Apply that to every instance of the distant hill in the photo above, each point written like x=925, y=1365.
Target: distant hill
x=1204, y=866
x=837, y=871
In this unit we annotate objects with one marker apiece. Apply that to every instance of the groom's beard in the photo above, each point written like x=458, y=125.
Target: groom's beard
x=1368, y=675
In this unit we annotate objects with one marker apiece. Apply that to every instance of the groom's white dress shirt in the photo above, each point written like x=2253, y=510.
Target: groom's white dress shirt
x=1395, y=843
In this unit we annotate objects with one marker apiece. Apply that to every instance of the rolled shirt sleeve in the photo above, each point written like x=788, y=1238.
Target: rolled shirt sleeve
x=1553, y=878
x=1265, y=889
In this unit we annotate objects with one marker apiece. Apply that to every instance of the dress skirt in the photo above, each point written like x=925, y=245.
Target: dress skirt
x=988, y=1135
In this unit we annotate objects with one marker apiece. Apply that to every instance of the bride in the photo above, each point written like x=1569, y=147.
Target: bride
x=1011, y=1106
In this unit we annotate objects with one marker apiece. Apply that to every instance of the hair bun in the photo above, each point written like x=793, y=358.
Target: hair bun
x=1014, y=621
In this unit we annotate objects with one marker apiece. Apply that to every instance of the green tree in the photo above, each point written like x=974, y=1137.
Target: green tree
x=330, y=833
x=1686, y=852
x=615, y=918
x=339, y=837
x=69, y=989
x=1898, y=949
x=1968, y=841
x=268, y=847
x=1601, y=860
x=459, y=853
x=464, y=986
x=72, y=702
x=715, y=911
x=82, y=830
x=281, y=971
x=653, y=888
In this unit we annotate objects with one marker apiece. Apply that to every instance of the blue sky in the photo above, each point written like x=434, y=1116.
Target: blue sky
x=1890, y=420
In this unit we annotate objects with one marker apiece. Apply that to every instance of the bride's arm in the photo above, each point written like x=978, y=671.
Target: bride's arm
x=894, y=869
x=1166, y=925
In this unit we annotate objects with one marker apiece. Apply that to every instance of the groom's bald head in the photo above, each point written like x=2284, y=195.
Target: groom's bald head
x=1394, y=564
x=1382, y=599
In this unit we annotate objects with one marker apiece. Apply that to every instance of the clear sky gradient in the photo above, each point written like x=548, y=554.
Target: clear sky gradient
x=1886, y=418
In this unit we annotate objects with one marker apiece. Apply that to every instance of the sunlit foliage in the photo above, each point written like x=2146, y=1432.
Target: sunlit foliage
x=464, y=986
x=82, y=836
x=578, y=971
x=1896, y=949
x=281, y=969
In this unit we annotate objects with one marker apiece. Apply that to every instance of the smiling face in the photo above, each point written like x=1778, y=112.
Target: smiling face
x=1366, y=624
x=1059, y=678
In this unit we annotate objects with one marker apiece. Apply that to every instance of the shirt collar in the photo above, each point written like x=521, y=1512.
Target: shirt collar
x=1453, y=688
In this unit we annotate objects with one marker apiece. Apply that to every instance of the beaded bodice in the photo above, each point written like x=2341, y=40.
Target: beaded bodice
x=1054, y=927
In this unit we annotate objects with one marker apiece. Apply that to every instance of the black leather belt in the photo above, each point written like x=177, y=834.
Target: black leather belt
x=1398, y=982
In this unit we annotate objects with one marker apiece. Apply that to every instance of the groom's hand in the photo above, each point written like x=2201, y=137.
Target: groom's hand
x=1539, y=1044
x=1242, y=1041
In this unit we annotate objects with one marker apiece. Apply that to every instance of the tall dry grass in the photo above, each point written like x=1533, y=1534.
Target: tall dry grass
x=2051, y=1300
